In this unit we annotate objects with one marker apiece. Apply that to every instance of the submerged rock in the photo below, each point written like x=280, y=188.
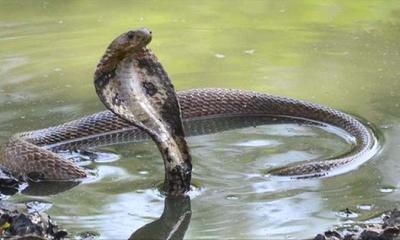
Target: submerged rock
x=88, y=235
x=9, y=185
x=389, y=229
x=17, y=221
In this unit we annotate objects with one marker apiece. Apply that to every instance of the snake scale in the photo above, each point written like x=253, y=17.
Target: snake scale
x=133, y=85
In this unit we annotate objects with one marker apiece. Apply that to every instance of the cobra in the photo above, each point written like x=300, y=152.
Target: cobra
x=139, y=95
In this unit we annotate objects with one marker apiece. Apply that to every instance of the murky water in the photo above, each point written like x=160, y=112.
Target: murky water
x=342, y=54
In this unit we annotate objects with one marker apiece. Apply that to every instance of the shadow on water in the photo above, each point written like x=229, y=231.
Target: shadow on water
x=172, y=224
x=10, y=187
x=46, y=188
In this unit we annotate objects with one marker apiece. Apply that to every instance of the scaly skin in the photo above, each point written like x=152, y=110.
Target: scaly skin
x=129, y=75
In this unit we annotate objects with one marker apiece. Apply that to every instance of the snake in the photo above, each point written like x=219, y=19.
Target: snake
x=139, y=96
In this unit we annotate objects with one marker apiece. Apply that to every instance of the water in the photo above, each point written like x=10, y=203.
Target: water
x=342, y=54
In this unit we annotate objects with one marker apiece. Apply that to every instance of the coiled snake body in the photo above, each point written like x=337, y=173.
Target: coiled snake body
x=133, y=85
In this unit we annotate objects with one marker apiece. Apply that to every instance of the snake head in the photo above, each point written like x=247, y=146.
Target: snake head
x=133, y=39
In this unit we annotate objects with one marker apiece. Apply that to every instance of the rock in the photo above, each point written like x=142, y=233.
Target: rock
x=369, y=235
x=18, y=222
x=320, y=237
x=390, y=233
x=392, y=220
x=9, y=185
x=389, y=229
x=89, y=235
x=333, y=235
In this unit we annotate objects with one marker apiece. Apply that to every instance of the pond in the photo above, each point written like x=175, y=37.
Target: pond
x=343, y=54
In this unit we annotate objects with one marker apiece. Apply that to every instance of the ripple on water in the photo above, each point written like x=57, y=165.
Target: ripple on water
x=104, y=173
x=143, y=172
x=195, y=190
x=231, y=197
x=290, y=130
x=86, y=157
x=387, y=189
x=38, y=206
x=365, y=207
x=276, y=184
x=258, y=143
x=347, y=214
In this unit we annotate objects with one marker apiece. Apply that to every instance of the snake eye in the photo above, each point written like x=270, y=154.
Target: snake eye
x=131, y=34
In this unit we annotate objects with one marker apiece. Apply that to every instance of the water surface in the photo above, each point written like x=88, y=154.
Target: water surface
x=342, y=54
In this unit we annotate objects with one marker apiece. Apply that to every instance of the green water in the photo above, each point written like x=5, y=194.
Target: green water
x=344, y=54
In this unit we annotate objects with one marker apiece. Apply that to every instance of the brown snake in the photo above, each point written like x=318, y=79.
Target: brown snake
x=134, y=86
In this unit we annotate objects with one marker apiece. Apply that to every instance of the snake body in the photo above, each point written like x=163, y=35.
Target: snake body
x=29, y=154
